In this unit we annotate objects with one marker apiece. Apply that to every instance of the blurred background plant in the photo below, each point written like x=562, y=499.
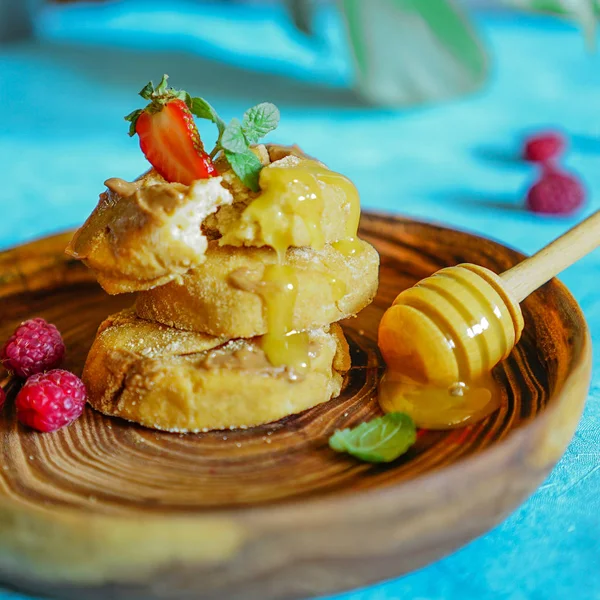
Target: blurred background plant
x=391, y=52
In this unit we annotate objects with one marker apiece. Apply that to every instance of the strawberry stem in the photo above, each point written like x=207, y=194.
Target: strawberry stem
x=162, y=86
x=147, y=91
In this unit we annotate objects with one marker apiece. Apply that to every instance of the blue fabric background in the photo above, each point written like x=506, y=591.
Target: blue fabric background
x=62, y=100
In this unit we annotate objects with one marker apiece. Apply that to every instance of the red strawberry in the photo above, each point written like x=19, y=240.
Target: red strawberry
x=169, y=137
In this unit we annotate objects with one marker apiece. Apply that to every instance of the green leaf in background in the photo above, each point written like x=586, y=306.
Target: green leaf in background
x=246, y=166
x=301, y=12
x=382, y=439
x=585, y=12
x=412, y=51
x=260, y=120
x=559, y=7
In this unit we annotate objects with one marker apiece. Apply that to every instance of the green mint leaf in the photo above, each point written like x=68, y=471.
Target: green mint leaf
x=133, y=117
x=246, y=166
x=203, y=110
x=147, y=91
x=382, y=439
x=233, y=138
x=260, y=120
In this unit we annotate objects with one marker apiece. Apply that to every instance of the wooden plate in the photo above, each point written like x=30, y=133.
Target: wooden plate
x=104, y=509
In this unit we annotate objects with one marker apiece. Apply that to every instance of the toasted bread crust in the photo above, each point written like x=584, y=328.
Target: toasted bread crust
x=207, y=299
x=183, y=381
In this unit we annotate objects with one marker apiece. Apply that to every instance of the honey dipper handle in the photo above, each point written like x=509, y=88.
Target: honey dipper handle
x=533, y=272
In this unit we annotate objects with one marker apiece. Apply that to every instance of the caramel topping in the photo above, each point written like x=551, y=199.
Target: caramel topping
x=278, y=151
x=121, y=187
x=246, y=280
x=164, y=198
x=251, y=358
x=146, y=233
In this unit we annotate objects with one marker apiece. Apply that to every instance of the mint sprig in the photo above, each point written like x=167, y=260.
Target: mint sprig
x=260, y=120
x=236, y=137
x=382, y=439
x=246, y=166
x=233, y=138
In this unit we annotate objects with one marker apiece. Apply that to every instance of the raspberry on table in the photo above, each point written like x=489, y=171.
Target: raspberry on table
x=49, y=401
x=35, y=346
x=543, y=147
x=555, y=193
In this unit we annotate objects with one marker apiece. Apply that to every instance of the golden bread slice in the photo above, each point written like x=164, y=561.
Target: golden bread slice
x=182, y=381
x=224, y=295
x=145, y=233
x=148, y=232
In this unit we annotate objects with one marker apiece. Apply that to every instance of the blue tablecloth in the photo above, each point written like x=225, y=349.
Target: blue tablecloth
x=62, y=134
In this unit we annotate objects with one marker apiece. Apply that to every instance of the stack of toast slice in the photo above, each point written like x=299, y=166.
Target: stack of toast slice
x=238, y=294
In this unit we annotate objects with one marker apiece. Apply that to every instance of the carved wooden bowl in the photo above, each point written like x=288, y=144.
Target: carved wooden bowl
x=104, y=509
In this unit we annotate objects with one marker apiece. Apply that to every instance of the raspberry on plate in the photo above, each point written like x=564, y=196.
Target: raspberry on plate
x=555, y=193
x=49, y=401
x=35, y=346
x=543, y=147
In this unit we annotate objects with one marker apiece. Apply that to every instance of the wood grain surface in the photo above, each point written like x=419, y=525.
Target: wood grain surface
x=106, y=509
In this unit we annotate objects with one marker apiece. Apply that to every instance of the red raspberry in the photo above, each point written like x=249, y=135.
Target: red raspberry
x=35, y=346
x=555, y=193
x=49, y=401
x=543, y=147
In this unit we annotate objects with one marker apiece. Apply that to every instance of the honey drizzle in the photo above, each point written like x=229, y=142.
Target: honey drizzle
x=282, y=345
x=350, y=245
x=291, y=194
x=435, y=407
x=338, y=288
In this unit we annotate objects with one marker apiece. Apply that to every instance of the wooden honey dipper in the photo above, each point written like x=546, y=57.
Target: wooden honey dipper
x=456, y=325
